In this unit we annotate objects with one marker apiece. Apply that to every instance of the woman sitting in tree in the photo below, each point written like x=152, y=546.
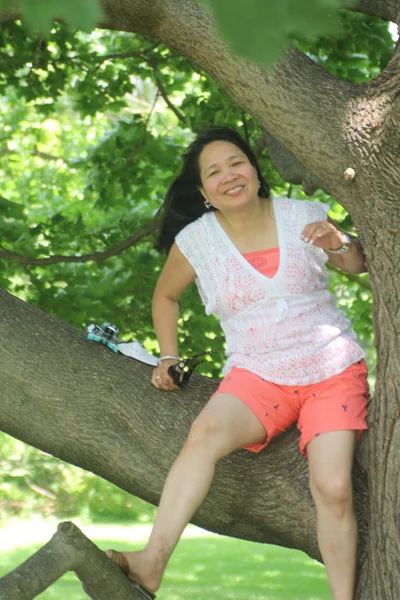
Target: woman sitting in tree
x=259, y=264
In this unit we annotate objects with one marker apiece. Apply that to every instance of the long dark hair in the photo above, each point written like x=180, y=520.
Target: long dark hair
x=184, y=202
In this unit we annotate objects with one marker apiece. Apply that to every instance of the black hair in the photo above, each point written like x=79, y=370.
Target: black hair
x=184, y=202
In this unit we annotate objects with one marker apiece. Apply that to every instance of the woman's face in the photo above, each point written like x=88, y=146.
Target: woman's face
x=228, y=178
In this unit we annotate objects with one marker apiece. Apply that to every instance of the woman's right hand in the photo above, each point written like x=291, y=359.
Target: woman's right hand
x=161, y=379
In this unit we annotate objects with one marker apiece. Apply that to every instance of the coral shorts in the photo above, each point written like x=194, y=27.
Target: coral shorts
x=334, y=404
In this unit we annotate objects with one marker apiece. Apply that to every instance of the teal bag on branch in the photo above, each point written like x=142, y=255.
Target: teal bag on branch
x=105, y=334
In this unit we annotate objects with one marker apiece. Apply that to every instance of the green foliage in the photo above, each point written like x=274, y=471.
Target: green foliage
x=35, y=482
x=87, y=151
x=39, y=14
x=358, y=53
x=260, y=29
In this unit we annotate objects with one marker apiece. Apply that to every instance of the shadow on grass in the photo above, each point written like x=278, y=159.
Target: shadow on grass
x=212, y=567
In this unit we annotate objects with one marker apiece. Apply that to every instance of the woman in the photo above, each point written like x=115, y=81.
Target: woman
x=258, y=263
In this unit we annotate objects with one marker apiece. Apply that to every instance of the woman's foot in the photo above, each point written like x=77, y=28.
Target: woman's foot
x=140, y=566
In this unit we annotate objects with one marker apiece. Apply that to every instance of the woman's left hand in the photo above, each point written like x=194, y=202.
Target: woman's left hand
x=323, y=234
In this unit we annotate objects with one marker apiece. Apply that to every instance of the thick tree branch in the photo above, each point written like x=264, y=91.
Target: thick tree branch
x=68, y=550
x=385, y=9
x=97, y=256
x=261, y=497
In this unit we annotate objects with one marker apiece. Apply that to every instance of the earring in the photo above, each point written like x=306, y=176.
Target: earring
x=207, y=204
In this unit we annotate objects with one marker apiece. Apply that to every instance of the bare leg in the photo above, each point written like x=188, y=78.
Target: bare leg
x=330, y=462
x=224, y=425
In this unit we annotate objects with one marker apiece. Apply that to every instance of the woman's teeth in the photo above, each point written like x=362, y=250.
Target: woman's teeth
x=234, y=190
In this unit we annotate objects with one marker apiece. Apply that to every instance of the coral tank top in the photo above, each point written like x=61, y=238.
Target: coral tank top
x=265, y=261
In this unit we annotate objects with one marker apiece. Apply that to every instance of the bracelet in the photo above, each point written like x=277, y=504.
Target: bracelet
x=168, y=357
x=344, y=247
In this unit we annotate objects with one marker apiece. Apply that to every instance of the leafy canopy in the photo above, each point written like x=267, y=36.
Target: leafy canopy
x=257, y=29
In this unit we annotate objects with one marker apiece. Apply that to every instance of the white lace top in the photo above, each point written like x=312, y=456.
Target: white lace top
x=287, y=328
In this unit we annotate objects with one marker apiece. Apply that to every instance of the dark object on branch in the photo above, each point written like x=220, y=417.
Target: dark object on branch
x=179, y=375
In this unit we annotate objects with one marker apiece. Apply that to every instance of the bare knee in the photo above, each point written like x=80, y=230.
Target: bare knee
x=334, y=493
x=206, y=434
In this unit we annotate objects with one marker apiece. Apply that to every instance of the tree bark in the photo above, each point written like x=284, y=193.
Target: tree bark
x=68, y=550
x=99, y=411
x=385, y=9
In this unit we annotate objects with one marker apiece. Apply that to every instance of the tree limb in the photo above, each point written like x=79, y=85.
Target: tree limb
x=50, y=374
x=46, y=156
x=98, y=256
x=364, y=283
x=68, y=550
x=39, y=490
x=181, y=117
x=130, y=241
x=131, y=54
x=385, y=9
x=36, y=152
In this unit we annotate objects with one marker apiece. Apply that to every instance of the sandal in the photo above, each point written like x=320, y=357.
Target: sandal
x=121, y=562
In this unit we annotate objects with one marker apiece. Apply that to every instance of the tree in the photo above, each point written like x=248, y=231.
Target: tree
x=322, y=132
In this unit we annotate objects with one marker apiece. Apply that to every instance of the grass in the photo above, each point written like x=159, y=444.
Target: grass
x=203, y=566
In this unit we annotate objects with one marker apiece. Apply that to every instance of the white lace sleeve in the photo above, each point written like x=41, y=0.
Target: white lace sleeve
x=191, y=243
x=186, y=242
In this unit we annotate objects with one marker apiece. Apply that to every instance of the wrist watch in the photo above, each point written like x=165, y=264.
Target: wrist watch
x=345, y=247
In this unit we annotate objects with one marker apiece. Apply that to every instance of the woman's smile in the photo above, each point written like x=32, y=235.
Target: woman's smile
x=234, y=191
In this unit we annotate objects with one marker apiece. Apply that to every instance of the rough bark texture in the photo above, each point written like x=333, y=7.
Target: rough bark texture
x=100, y=411
x=386, y=9
x=68, y=550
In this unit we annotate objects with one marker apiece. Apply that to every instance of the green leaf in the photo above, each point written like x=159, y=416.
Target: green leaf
x=80, y=14
x=260, y=29
x=11, y=209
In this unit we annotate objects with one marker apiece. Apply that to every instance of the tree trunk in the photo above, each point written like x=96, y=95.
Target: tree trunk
x=91, y=408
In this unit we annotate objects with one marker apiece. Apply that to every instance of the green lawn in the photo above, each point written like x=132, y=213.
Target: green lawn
x=202, y=567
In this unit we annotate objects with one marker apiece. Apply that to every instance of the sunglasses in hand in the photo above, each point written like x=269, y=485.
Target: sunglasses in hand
x=181, y=372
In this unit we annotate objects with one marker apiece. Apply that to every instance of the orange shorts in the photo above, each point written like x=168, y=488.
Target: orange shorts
x=334, y=404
